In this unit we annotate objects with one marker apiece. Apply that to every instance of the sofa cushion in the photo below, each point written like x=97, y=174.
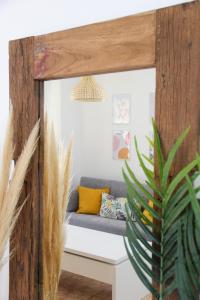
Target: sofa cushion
x=97, y=223
x=108, y=207
x=90, y=200
x=113, y=208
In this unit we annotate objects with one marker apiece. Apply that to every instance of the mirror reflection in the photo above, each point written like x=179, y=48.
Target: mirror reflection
x=103, y=113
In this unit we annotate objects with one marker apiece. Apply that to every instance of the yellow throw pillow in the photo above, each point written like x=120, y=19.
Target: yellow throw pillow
x=147, y=214
x=90, y=200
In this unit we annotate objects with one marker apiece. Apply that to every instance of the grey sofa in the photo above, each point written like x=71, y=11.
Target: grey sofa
x=117, y=189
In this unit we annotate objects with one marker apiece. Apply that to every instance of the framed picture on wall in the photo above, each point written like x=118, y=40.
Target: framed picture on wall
x=121, y=144
x=121, y=108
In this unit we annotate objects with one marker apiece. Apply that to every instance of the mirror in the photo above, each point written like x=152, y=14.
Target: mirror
x=95, y=125
x=103, y=133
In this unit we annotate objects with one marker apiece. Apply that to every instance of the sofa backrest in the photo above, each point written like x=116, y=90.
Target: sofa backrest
x=117, y=189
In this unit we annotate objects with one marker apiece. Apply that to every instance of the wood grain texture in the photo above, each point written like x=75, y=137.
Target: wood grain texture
x=120, y=45
x=178, y=81
x=26, y=240
x=178, y=78
x=75, y=287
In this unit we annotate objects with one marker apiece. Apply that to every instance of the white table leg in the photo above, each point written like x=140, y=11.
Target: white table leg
x=126, y=284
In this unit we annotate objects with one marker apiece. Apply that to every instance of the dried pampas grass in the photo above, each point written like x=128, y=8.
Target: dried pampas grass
x=10, y=191
x=57, y=182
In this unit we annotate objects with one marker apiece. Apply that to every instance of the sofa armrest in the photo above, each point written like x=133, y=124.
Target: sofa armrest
x=73, y=201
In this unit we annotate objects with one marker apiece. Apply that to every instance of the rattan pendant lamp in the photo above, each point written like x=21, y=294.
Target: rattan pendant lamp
x=88, y=90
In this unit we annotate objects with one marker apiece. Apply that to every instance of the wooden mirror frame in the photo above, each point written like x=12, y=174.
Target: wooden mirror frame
x=167, y=39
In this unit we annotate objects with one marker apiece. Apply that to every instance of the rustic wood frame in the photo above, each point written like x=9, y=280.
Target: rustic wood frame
x=167, y=39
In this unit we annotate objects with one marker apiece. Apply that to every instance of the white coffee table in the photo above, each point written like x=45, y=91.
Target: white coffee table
x=102, y=256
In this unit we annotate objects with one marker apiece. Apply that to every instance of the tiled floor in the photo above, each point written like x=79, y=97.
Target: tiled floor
x=74, y=287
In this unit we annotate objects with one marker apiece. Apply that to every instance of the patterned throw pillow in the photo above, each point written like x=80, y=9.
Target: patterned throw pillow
x=108, y=207
x=121, y=208
x=113, y=208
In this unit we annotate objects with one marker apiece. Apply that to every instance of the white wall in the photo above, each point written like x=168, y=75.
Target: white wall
x=19, y=18
x=52, y=107
x=97, y=125
x=66, y=117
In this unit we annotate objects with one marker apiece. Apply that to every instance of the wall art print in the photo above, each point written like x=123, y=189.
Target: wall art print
x=121, y=144
x=121, y=108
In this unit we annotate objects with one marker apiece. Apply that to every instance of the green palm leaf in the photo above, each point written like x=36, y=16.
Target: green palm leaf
x=188, y=283
x=194, y=201
x=188, y=243
x=140, y=186
x=149, y=160
x=176, y=180
x=158, y=150
x=140, y=273
x=171, y=262
x=170, y=158
x=150, y=141
x=191, y=263
x=139, y=234
x=175, y=213
x=139, y=198
x=150, y=177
